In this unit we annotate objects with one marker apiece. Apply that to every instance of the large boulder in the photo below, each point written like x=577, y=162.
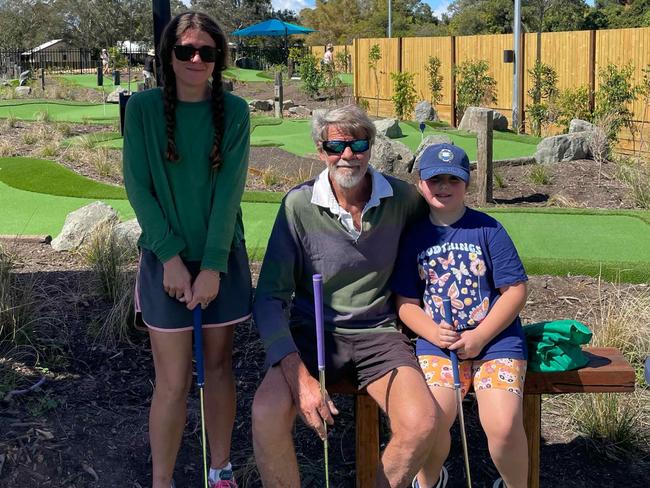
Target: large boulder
x=470, y=121
x=287, y=104
x=262, y=105
x=426, y=142
x=578, y=125
x=114, y=96
x=388, y=127
x=23, y=91
x=424, y=111
x=128, y=232
x=300, y=110
x=565, y=147
x=390, y=156
x=81, y=223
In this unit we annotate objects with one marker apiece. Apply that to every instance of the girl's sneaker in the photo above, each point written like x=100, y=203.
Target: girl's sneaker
x=499, y=483
x=442, y=480
x=226, y=480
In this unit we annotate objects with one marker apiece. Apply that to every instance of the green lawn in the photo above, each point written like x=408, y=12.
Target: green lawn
x=246, y=75
x=77, y=112
x=90, y=81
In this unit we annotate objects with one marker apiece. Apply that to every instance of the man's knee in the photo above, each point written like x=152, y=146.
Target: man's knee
x=272, y=409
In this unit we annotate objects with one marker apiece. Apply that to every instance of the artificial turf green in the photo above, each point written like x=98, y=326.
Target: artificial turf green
x=95, y=113
x=246, y=75
x=90, y=81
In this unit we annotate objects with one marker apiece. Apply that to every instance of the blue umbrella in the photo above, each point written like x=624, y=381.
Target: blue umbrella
x=272, y=27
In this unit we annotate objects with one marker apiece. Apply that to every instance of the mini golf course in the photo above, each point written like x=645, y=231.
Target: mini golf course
x=36, y=196
x=60, y=111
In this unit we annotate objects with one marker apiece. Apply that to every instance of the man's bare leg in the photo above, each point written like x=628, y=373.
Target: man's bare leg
x=404, y=396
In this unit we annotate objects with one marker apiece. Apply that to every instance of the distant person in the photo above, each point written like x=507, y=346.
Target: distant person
x=328, y=57
x=105, y=62
x=466, y=256
x=185, y=163
x=148, y=70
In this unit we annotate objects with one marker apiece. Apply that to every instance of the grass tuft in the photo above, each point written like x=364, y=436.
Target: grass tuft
x=539, y=175
x=636, y=174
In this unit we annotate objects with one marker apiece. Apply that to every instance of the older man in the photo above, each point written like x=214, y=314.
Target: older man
x=346, y=226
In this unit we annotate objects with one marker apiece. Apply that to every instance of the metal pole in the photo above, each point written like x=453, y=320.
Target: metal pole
x=390, y=18
x=516, y=66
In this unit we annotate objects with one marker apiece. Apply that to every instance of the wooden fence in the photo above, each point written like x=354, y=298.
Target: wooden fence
x=319, y=51
x=577, y=57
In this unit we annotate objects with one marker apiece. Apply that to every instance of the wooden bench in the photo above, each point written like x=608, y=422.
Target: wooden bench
x=607, y=371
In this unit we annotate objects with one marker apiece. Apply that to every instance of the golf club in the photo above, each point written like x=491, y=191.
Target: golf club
x=320, y=344
x=200, y=380
x=459, y=396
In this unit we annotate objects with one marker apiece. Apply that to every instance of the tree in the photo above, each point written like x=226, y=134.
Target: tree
x=235, y=14
x=28, y=23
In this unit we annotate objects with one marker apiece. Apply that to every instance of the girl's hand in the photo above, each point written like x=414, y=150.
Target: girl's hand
x=470, y=344
x=447, y=335
x=177, y=281
x=205, y=288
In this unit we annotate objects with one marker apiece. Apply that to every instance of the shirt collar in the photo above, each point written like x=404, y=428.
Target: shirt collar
x=323, y=196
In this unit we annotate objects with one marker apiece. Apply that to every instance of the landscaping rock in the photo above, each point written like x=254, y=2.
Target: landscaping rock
x=390, y=156
x=81, y=223
x=128, y=232
x=426, y=142
x=388, y=127
x=424, y=111
x=114, y=96
x=471, y=118
x=300, y=110
x=287, y=104
x=263, y=105
x=23, y=91
x=578, y=125
x=228, y=85
x=565, y=147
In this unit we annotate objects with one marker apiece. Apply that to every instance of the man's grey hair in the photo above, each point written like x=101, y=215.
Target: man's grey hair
x=349, y=119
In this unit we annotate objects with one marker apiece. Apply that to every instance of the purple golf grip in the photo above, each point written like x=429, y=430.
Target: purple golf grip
x=197, y=315
x=318, y=308
x=446, y=303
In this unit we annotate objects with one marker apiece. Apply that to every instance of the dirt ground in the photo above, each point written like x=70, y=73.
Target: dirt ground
x=86, y=425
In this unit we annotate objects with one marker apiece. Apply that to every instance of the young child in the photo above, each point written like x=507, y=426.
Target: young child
x=466, y=256
x=185, y=164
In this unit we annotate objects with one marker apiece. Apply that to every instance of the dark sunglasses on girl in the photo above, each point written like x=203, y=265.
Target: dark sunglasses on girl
x=185, y=53
x=337, y=147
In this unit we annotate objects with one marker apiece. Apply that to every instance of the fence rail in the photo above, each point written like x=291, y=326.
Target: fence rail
x=577, y=57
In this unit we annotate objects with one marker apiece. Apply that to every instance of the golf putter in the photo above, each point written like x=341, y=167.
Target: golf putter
x=320, y=343
x=200, y=380
x=459, y=395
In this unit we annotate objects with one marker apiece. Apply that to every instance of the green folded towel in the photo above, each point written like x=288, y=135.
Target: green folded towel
x=555, y=345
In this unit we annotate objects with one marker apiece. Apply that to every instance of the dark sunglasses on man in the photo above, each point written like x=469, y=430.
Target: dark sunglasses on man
x=337, y=147
x=186, y=52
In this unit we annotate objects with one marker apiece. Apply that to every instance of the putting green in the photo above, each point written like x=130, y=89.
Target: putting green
x=78, y=112
x=90, y=81
x=246, y=75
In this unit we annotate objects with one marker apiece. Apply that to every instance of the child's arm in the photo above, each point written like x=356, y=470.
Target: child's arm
x=418, y=321
x=504, y=311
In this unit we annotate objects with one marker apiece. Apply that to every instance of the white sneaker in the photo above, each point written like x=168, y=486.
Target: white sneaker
x=442, y=480
x=498, y=483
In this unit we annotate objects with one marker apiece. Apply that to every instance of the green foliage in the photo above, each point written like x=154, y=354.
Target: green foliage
x=364, y=104
x=614, y=96
x=474, y=85
x=18, y=302
x=374, y=56
x=434, y=79
x=342, y=62
x=636, y=174
x=404, y=94
x=310, y=76
x=539, y=175
x=543, y=93
x=116, y=59
x=572, y=103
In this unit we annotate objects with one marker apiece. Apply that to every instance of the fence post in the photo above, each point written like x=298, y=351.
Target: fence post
x=452, y=81
x=43, y=79
x=484, y=157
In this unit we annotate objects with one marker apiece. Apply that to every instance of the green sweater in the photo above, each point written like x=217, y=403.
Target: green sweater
x=185, y=208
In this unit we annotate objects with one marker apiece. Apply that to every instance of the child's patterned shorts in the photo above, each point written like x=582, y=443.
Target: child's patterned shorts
x=502, y=374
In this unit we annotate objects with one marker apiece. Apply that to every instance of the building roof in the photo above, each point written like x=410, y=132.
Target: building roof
x=45, y=45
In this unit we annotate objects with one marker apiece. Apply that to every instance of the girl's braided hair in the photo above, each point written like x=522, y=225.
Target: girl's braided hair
x=173, y=31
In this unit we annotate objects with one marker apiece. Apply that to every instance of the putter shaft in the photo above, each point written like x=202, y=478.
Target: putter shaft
x=323, y=391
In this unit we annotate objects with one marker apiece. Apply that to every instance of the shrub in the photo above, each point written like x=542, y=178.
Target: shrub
x=474, y=85
x=615, y=93
x=404, y=94
x=636, y=174
x=374, y=56
x=11, y=120
x=117, y=60
x=311, y=77
x=543, y=91
x=364, y=104
x=342, y=61
x=434, y=79
x=48, y=151
x=43, y=116
x=572, y=103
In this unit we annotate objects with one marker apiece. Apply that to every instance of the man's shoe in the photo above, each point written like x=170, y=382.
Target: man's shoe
x=442, y=480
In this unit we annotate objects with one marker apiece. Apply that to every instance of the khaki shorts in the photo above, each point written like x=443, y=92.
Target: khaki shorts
x=500, y=374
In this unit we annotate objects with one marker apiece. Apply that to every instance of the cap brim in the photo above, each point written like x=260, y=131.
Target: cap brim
x=425, y=174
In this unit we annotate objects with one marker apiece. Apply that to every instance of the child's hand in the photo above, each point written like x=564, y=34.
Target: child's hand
x=470, y=344
x=447, y=335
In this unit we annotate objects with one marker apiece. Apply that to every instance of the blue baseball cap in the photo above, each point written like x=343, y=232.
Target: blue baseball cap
x=444, y=159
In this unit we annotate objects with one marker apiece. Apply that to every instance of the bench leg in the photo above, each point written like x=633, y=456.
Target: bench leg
x=533, y=427
x=367, y=441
